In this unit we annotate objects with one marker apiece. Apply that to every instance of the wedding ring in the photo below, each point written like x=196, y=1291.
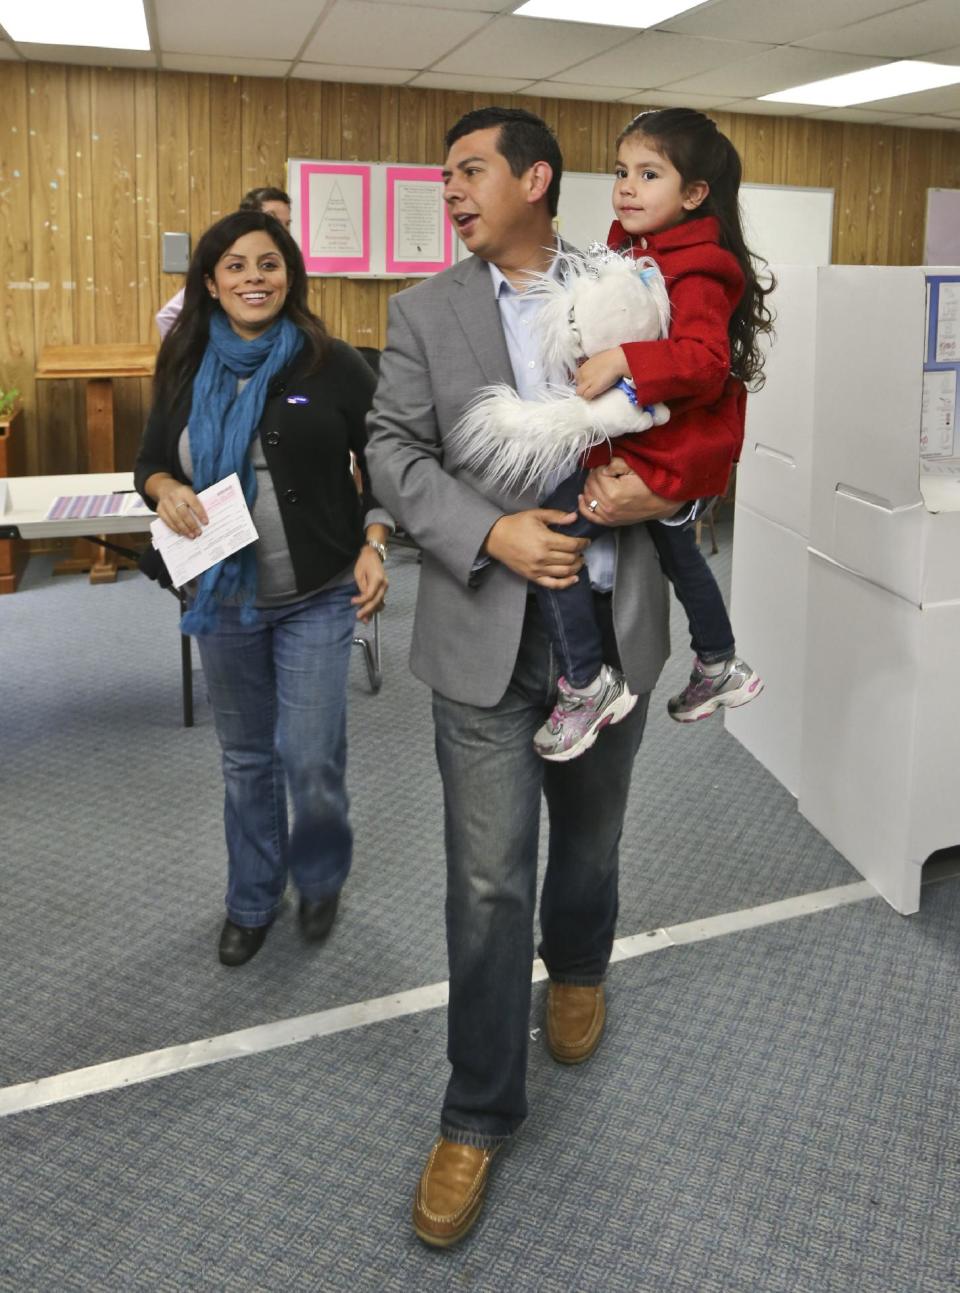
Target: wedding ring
x=593, y=504
x=179, y=505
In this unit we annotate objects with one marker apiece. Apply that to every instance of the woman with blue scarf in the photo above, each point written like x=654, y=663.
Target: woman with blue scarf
x=249, y=381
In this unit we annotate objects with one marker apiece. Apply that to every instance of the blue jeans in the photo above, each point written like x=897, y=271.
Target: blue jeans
x=492, y=781
x=569, y=611
x=711, y=633
x=279, y=694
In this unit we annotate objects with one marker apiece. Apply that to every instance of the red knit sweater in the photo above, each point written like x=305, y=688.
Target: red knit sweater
x=691, y=455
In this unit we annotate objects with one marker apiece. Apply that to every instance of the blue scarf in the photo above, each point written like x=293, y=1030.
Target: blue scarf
x=222, y=425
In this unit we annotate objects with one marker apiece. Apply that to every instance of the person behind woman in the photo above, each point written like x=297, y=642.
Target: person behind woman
x=274, y=202
x=675, y=195
x=249, y=381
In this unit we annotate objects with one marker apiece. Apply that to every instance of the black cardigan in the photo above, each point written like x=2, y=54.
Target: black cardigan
x=310, y=423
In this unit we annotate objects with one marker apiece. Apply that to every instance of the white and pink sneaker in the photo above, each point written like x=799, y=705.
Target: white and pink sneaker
x=577, y=719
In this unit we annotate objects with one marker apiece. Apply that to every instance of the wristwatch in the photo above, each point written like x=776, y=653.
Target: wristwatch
x=378, y=547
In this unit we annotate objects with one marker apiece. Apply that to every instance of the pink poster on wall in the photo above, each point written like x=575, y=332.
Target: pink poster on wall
x=335, y=217
x=419, y=238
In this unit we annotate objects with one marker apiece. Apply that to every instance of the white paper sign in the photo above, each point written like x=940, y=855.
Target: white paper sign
x=418, y=222
x=230, y=529
x=938, y=413
x=948, y=324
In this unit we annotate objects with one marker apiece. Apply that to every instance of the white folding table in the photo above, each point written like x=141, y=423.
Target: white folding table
x=25, y=501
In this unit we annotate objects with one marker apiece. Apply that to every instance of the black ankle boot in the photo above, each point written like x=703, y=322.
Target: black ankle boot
x=316, y=918
x=238, y=943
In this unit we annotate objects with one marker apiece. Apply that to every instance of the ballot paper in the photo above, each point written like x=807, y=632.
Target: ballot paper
x=72, y=507
x=230, y=528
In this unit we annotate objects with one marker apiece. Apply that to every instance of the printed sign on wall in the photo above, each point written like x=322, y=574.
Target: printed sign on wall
x=369, y=220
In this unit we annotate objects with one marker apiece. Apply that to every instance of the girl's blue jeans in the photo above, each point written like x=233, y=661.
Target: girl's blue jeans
x=569, y=613
x=279, y=694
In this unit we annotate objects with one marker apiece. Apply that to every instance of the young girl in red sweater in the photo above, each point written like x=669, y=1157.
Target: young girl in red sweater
x=675, y=196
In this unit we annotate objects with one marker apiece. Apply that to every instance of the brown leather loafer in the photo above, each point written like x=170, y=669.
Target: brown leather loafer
x=451, y=1192
x=575, y=1018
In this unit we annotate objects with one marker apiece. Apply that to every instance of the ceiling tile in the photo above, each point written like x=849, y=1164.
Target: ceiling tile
x=362, y=34
x=486, y=6
x=239, y=28
x=481, y=84
x=918, y=121
x=861, y=116
x=531, y=48
x=951, y=55
x=755, y=108
x=906, y=33
x=226, y=66
x=664, y=99
x=946, y=99
x=778, y=22
x=778, y=69
x=88, y=55
x=655, y=58
x=565, y=90
x=361, y=75
x=7, y=50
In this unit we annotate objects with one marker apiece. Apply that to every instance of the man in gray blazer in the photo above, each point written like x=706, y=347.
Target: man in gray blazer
x=480, y=644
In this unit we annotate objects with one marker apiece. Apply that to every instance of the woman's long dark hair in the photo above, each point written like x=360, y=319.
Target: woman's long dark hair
x=692, y=142
x=184, y=344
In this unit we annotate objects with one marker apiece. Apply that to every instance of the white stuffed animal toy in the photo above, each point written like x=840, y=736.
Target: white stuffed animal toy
x=600, y=300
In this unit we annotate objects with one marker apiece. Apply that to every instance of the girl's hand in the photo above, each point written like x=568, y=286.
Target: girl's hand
x=371, y=581
x=600, y=372
x=180, y=509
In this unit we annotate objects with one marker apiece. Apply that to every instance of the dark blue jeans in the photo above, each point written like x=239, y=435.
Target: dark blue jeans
x=492, y=782
x=569, y=611
x=711, y=634
x=279, y=694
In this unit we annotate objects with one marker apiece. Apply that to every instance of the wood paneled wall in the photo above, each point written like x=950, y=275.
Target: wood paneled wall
x=95, y=163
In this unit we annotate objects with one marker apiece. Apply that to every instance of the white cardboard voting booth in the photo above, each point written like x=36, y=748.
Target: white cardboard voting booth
x=857, y=635
x=772, y=526
x=881, y=715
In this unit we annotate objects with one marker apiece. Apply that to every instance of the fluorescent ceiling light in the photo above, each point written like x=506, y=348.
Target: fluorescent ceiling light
x=106, y=24
x=887, y=81
x=607, y=13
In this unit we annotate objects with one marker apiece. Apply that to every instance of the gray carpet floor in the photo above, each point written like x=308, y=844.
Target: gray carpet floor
x=111, y=840
x=775, y=1111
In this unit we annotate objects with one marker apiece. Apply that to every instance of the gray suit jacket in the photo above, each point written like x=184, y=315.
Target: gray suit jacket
x=444, y=342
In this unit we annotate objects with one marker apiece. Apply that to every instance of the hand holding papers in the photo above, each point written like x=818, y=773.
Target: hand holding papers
x=230, y=528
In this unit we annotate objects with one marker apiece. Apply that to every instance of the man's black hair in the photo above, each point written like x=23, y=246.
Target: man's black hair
x=254, y=200
x=523, y=140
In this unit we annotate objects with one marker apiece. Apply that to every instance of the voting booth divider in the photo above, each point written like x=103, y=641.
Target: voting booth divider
x=846, y=574
x=769, y=587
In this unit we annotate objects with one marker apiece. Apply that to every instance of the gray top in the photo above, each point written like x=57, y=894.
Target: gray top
x=276, y=585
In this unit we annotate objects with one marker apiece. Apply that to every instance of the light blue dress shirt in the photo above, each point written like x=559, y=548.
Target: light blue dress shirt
x=518, y=315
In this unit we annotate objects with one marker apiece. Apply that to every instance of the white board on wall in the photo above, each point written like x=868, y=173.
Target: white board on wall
x=786, y=225
x=942, y=242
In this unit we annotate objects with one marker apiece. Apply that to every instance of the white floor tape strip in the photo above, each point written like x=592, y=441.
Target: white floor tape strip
x=135, y=1069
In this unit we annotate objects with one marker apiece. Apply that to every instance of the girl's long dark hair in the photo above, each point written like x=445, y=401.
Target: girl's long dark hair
x=184, y=344
x=692, y=142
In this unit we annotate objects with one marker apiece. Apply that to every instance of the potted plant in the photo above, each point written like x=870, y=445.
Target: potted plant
x=9, y=405
x=13, y=462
